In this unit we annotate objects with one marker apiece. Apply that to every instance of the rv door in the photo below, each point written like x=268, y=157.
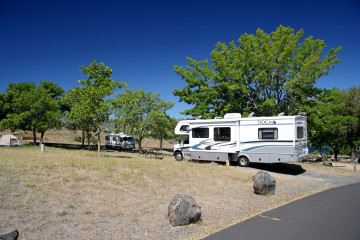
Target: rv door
x=301, y=140
x=186, y=147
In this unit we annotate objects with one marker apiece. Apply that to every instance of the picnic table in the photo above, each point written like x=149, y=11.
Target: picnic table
x=155, y=152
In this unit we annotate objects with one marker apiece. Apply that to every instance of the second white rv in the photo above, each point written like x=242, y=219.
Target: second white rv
x=244, y=140
x=119, y=141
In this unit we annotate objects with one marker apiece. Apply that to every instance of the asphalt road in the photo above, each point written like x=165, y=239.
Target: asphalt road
x=332, y=215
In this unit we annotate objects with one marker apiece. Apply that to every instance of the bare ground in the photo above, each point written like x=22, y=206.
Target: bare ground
x=72, y=194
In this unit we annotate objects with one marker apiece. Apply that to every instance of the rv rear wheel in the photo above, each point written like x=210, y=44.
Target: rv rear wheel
x=178, y=156
x=243, y=161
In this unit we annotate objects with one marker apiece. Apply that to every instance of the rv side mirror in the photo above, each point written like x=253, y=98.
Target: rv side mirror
x=179, y=141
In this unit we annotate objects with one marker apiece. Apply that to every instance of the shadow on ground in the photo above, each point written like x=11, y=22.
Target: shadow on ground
x=112, y=156
x=67, y=146
x=168, y=151
x=283, y=168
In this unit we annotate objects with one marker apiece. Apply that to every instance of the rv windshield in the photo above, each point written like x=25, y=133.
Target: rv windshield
x=128, y=138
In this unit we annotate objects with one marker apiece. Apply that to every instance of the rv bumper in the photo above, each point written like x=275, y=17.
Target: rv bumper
x=303, y=158
x=302, y=155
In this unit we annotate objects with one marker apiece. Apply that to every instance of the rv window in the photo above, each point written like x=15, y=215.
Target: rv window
x=200, y=133
x=107, y=138
x=184, y=128
x=268, y=133
x=300, y=133
x=222, y=134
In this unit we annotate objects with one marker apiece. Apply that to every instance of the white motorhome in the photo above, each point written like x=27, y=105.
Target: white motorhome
x=119, y=141
x=244, y=140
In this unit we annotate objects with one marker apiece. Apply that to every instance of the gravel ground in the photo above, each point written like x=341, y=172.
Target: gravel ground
x=314, y=180
x=323, y=179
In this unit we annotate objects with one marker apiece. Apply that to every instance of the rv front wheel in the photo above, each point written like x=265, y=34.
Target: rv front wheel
x=178, y=156
x=243, y=162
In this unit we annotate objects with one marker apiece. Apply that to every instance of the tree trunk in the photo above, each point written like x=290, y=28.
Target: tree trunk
x=161, y=142
x=98, y=142
x=140, y=138
x=88, y=139
x=336, y=152
x=353, y=153
x=42, y=137
x=83, y=139
x=34, y=137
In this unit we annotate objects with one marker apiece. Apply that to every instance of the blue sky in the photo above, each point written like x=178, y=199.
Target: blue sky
x=142, y=40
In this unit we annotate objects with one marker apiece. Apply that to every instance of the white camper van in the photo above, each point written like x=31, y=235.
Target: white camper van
x=119, y=141
x=244, y=140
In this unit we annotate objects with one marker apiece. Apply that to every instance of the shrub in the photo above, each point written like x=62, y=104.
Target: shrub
x=78, y=139
x=316, y=152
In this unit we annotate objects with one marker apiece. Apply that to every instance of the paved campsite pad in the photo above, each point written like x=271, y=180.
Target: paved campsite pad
x=331, y=215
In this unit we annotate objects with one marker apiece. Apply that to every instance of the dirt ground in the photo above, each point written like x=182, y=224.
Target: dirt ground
x=73, y=194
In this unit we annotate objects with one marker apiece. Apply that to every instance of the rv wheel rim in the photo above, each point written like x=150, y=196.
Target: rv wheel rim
x=178, y=157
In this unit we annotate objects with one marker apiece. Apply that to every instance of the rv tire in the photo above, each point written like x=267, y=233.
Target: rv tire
x=243, y=161
x=178, y=156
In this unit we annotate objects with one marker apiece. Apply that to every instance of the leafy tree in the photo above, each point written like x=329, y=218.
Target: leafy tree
x=136, y=112
x=2, y=106
x=32, y=108
x=53, y=111
x=89, y=106
x=327, y=122
x=163, y=126
x=263, y=73
x=74, y=117
x=334, y=119
x=316, y=128
x=351, y=114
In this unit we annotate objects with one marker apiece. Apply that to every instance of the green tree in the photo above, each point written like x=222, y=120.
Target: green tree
x=263, y=73
x=53, y=110
x=135, y=112
x=74, y=116
x=163, y=126
x=351, y=114
x=32, y=108
x=327, y=122
x=88, y=103
x=2, y=106
x=334, y=119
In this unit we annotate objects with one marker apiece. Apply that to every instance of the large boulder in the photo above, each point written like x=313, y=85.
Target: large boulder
x=264, y=184
x=10, y=236
x=183, y=210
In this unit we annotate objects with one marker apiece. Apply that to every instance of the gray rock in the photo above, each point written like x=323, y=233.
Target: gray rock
x=264, y=184
x=10, y=236
x=183, y=210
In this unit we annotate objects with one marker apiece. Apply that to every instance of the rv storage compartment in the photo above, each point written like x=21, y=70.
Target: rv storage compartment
x=218, y=156
x=280, y=158
x=215, y=156
x=200, y=155
x=259, y=157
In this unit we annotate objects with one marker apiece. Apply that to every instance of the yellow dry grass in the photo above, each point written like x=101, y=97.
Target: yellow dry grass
x=73, y=194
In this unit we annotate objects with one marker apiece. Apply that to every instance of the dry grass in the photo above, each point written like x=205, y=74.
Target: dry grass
x=338, y=168
x=73, y=194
